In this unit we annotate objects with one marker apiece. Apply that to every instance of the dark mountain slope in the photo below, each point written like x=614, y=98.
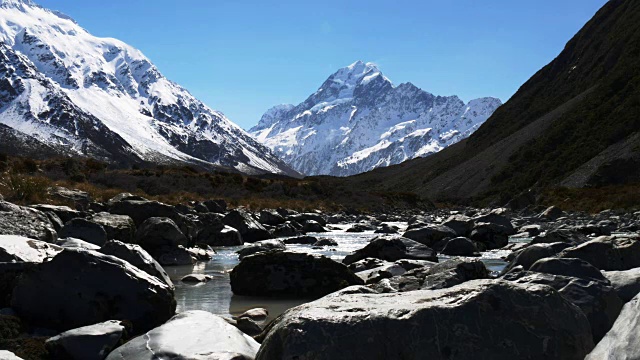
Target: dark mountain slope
x=584, y=107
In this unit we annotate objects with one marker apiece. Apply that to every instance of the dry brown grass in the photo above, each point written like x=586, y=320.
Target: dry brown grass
x=619, y=197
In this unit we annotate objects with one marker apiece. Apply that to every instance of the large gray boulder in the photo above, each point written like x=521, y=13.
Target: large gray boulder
x=529, y=255
x=159, y=232
x=608, y=253
x=622, y=341
x=8, y=355
x=626, y=283
x=392, y=248
x=497, y=219
x=577, y=268
x=260, y=247
x=461, y=224
x=141, y=210
x=560, y=235
x=460, y=246
x=523, y=321
x=290, y=274
x=65, y=213
x=490, y=235
x=72, y=243
x=430, y=234
x=21, y=249
x=92, y=342
x=27, y=222
x=78, y=288
x=249, y=228
x=227, y=236
x=138, y=257
x=209, y=227
x=85, y=230
x=271, y=217
x=118, y=227
x=191, y=335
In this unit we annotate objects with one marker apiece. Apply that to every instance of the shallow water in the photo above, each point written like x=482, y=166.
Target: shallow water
x=215, y=296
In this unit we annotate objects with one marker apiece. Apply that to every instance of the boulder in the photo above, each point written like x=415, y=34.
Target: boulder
x=216, y=206
x=497, y=219
x=261, y=246
x=560, y=235
x=286, y=230
x=552, y=214
x=529, y=255
x=174, y=256
x=8, y=355
x=93, y=342
x=227, y=236
x=156, y=233
x=196, y=335
x=460, y=246
x=304, y=240
x=250, y=229
x=531, y=230
x=609, y=253
x=196, y=278
x=387, y=229
x=358, y=228
x=138, y=257
x=430, y=234
x=392, y=248
x=86, y=287
x=443, y=324
x=248, y=326
x=325, y=242
x=491, y=235
x=367, y=264
x=625, y=283
x=461, y=224
x=80, y=198
x=141, y=210
x=71, y=243
x=209, y=226
x=290, y=274
x=271, y=217
x=438, y=276
x=27, y=222
x=65, y=213
x=312, y=226
x=9, y=275
x=577, y=268
x=621, y=342
x=257, y=314
x=118, y=227
x=22, y=249
x=302, y=218
x=125, y=197
x=85, y=230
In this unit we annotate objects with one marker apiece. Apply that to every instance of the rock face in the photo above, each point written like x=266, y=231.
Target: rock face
x=392, y=248
x=190, y=335
x=290, y=274
x=93, y=342
x=358, y=120
x=622, y=341
x=608, y=253
x=21, y=249
x=27, y=222
x=250, y=229
x=85, y=287
x=441, y=324
x=85, y=230
x=138, y=257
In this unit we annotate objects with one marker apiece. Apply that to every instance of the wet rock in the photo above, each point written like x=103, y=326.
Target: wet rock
x=261, y=246
x=286, y=230
x=156, y=233
x=85, y=287
x=138, y=257
x=201, y=252
x=93, y=342
x=250, y=229
x=460, y=246
x=311, y=226
x=621, y=342
x=304, y=240
x=446, y=324
x=496, y=219
x=531, y=230
x=302, y=218
x=430, y=234
x=358, y=228
x=27, y=222
x=196, y=278
x=325, y=242
x=387, y=229
x=118, y=227
x=227, y=236
x=626, y=283
x=608, y=253
x=392, y=248
x=290, y=274
x=85, y=230
x=22, y=249
x=190, y=335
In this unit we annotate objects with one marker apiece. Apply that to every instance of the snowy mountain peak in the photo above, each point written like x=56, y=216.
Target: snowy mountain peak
x=100, y=97
x=358, y=121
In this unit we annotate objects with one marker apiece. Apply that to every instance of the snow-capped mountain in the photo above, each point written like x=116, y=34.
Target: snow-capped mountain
x=358, y=121
x=75, y=93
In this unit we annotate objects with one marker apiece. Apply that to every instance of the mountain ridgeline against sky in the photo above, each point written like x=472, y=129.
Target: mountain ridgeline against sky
x=66, y=92
x=358, y=121
x=575, y=123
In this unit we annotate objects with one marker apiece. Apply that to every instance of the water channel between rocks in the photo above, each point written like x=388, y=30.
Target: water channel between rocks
x=215, y=296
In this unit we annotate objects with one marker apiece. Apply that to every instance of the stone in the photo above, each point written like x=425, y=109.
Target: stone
x=196, y=335
x=491, y=235
x=460, y=246
x=216, y=206
x=302, y=218
x=118, y=227
x=531, y=230
x=392, y=248
x=209, y=227
x=621, y=342
x=65, y=213
x=250, y=229
x=271, y=217
x=138, y=257
x=227, y=236
x=81, y=199
x=552, y=214
x=157, y=232
x=21, y=249
x=312, y=226
x=125, y=197
x=367, y=264
x=85, y=287
x=359, y=228
x=174, y=256
x=325, y=242
x=8, y=355
x=248, y=326
x=85, y=230
x=9, y=275
x=304, y=240
x=461, y=224
x=560, y=235
x=277, y=274
x=387, y=229
x=93, y=342
x=442, y=324
x=430, y=234
x=286, y=230
x=626, y=283
x=71, y=243
x=497, y=219
x=196, y=278
x=261, y=246
x=577, y=268
x=257, y=314
x=27, y=222
x=608, y=253
x=440, y=276
x=529, y=255
x=141, y=210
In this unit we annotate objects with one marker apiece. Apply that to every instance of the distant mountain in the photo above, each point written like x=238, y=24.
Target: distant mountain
x=64, y=91
x=575, y=123
x=358, y=121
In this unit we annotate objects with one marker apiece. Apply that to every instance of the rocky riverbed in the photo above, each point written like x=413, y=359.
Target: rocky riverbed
x=138, y=279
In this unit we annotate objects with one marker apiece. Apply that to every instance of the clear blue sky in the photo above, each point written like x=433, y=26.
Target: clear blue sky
x=242, y=57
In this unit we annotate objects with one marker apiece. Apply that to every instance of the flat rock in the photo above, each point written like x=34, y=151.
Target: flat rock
x=21, y=249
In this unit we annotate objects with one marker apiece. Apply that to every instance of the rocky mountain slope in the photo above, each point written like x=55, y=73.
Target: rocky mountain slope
x=358, y=121
x=575, y=123
x=73, y=93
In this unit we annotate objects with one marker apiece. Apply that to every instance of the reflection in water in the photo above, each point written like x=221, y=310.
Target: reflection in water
x=215, y=296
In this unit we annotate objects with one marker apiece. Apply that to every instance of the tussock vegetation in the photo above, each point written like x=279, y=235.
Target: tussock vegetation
x=593, y=200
